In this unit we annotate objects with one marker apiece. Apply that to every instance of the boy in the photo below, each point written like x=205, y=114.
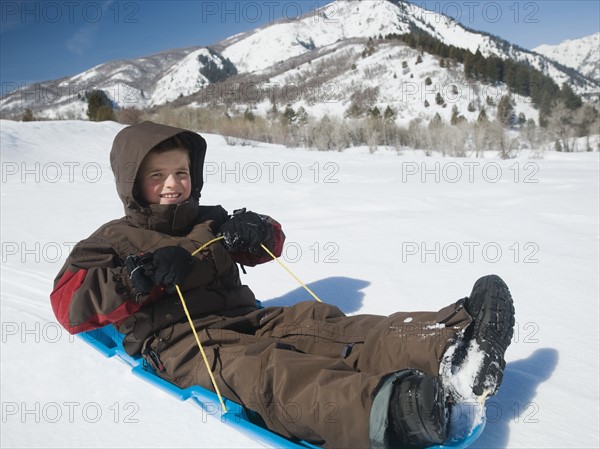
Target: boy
x=308, y=371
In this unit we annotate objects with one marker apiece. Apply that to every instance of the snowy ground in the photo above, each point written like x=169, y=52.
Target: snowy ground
x=369, y=233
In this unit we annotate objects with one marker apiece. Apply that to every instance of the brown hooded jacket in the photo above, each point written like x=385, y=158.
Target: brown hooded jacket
x=93, y=287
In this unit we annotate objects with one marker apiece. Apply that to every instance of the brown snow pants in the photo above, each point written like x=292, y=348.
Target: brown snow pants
x=310, y=371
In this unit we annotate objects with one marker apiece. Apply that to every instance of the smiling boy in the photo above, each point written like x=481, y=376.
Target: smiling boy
x=164, y=178
x=358, y=381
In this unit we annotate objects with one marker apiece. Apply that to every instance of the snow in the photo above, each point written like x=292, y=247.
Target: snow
x=580, y=54
x=370, y=233
x=468, y=412
x=404, y=90
x=182, y=79
x=320, y=28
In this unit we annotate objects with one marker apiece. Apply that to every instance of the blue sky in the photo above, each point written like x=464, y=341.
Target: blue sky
x=44, y=40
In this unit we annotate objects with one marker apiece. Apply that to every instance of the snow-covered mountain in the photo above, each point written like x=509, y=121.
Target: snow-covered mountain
x=320, y=62
x=581, y=54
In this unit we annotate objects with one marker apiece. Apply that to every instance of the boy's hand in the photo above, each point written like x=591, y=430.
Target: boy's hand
x=245, y=231
x=141, y=271
x=166, y=266
x=171, y=265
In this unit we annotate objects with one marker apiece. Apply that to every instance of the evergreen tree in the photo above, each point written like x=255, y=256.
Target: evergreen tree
x=505, y=111
x=100, y=107
x=439, y=100
x=354, y=110
x=375, y=113
x=468, y=64
x=456, y=117
x=510, y=74
x=480, y=65
x=389, y=115
x=213, y=72
x=571, y=100
x=249, y=115
x=522, y=81
x=436, y=122
x=301, y=116
x=27, y=116
x=289, y=114
x=493, y=69
x=557, y=146
x=482, y=119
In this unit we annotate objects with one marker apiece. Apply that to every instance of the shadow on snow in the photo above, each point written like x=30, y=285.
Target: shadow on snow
x=339, y=291
x=515, y=401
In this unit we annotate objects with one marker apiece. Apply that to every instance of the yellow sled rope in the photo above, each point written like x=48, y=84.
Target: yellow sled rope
x=187, y=313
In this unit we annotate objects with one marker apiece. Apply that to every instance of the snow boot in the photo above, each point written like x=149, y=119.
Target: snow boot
x=417, y=412
x=491, y=307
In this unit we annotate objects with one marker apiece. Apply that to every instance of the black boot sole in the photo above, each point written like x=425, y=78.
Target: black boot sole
x=493, y=312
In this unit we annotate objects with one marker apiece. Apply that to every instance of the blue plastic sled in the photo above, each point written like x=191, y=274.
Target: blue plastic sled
x=109, y=341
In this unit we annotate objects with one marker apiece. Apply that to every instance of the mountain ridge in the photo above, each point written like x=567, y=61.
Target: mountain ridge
x=581, y=54
x=173, y=75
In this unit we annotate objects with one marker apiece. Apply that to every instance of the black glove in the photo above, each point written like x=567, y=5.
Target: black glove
x=245, y=231
x=141, y=271
x=166, y=266
x=171, y=265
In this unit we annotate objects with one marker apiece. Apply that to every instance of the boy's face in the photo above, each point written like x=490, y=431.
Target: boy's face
x=164, y=178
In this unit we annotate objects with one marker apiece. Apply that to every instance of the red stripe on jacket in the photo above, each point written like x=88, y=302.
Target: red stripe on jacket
x=62, y=296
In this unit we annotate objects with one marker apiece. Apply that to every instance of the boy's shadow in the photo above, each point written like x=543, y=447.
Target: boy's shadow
x=515, y=401
x=342, y=292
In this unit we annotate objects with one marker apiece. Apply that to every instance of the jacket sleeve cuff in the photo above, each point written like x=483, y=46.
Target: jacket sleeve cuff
x=274, y=243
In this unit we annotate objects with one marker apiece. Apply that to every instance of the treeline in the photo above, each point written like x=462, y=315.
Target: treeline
x=296, y=128
x=459, y=138
x=375, y=128
x=519, y=77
